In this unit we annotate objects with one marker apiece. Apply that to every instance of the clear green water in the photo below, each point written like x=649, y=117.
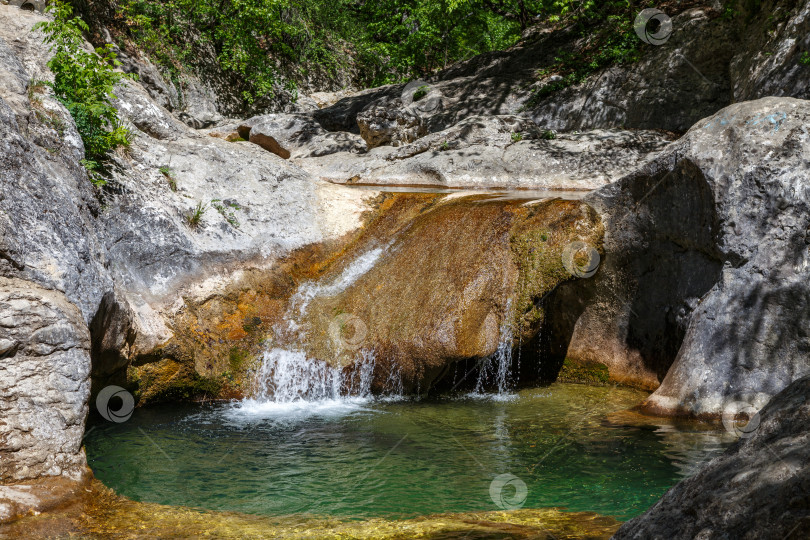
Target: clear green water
x=396, y=459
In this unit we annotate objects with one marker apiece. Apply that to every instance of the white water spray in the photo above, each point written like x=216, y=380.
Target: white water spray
x=288, y=376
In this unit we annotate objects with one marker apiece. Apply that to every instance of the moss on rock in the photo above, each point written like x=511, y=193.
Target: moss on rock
x=588, y=373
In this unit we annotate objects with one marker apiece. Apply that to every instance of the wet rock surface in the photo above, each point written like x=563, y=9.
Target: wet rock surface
x=456, y=279
x=757, y=489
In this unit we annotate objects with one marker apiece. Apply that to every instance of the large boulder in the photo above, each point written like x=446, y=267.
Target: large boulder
x=758, y=489
x=44, y=383
x=438, y=281
x=704, y=282
x=297, y=136
x=391, y=123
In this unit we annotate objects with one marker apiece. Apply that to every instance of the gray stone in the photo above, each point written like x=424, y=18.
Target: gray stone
x=390, y=123
x=495, y=151
x=706, y=244
x=44, y=383
x=297, y=135
x=709, y=62
x=758, y=489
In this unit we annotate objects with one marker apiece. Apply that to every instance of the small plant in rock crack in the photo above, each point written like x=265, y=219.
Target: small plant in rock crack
x=35, y=88
x=95, y=172
x=223, y=209
x=170, y=177
x=194, y=218
x=517, y=136
x=444, y=146
x=548, y=135
x=421, y=92
x=805, y=58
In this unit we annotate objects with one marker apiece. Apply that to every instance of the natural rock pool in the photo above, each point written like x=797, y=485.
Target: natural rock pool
x=363, y=458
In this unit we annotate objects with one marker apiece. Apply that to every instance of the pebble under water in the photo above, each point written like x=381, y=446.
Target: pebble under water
x=362, y=458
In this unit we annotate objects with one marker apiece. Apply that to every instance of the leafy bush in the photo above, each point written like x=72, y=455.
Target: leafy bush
x=84, y=82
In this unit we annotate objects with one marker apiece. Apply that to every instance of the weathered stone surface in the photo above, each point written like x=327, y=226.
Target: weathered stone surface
x=297, y=135
x=44, y=383
x=707, y=243
x=709, y=62
x=46, y=200
x=759, y=488
x=451, y=281
x=391, y=123
x=495, y=151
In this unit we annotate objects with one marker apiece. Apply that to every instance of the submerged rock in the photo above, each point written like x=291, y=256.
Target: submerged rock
x=759, y=488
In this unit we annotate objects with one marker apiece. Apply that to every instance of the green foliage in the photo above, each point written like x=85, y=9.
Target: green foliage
x=226, y=210
x=194, y=218
x=421, y=92
x=548, y=135
x=84, y=82
x=805, y=58
x=267, y=44
x=170, y=177
x=517, y=137
x=611, y=40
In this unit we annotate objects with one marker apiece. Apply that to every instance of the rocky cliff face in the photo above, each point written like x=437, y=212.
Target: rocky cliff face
x=710, y=60
x=708, y=242
x=101, y=271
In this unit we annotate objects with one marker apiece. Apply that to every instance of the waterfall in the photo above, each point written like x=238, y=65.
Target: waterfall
x=496, y=370
x=288, y=376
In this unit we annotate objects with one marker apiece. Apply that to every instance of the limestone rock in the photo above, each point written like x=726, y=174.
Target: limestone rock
x=758, y=488
x=391, y=124
x=707, y=244
x=296, y=135
x=495, y=151
x=44, y=383
x=708, y=62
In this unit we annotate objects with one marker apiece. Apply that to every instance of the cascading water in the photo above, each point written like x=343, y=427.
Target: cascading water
x=496, y=370
x=287, y=375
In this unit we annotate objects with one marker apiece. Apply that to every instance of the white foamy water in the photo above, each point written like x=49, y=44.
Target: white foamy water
x=289, y=376
x=289, y=383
